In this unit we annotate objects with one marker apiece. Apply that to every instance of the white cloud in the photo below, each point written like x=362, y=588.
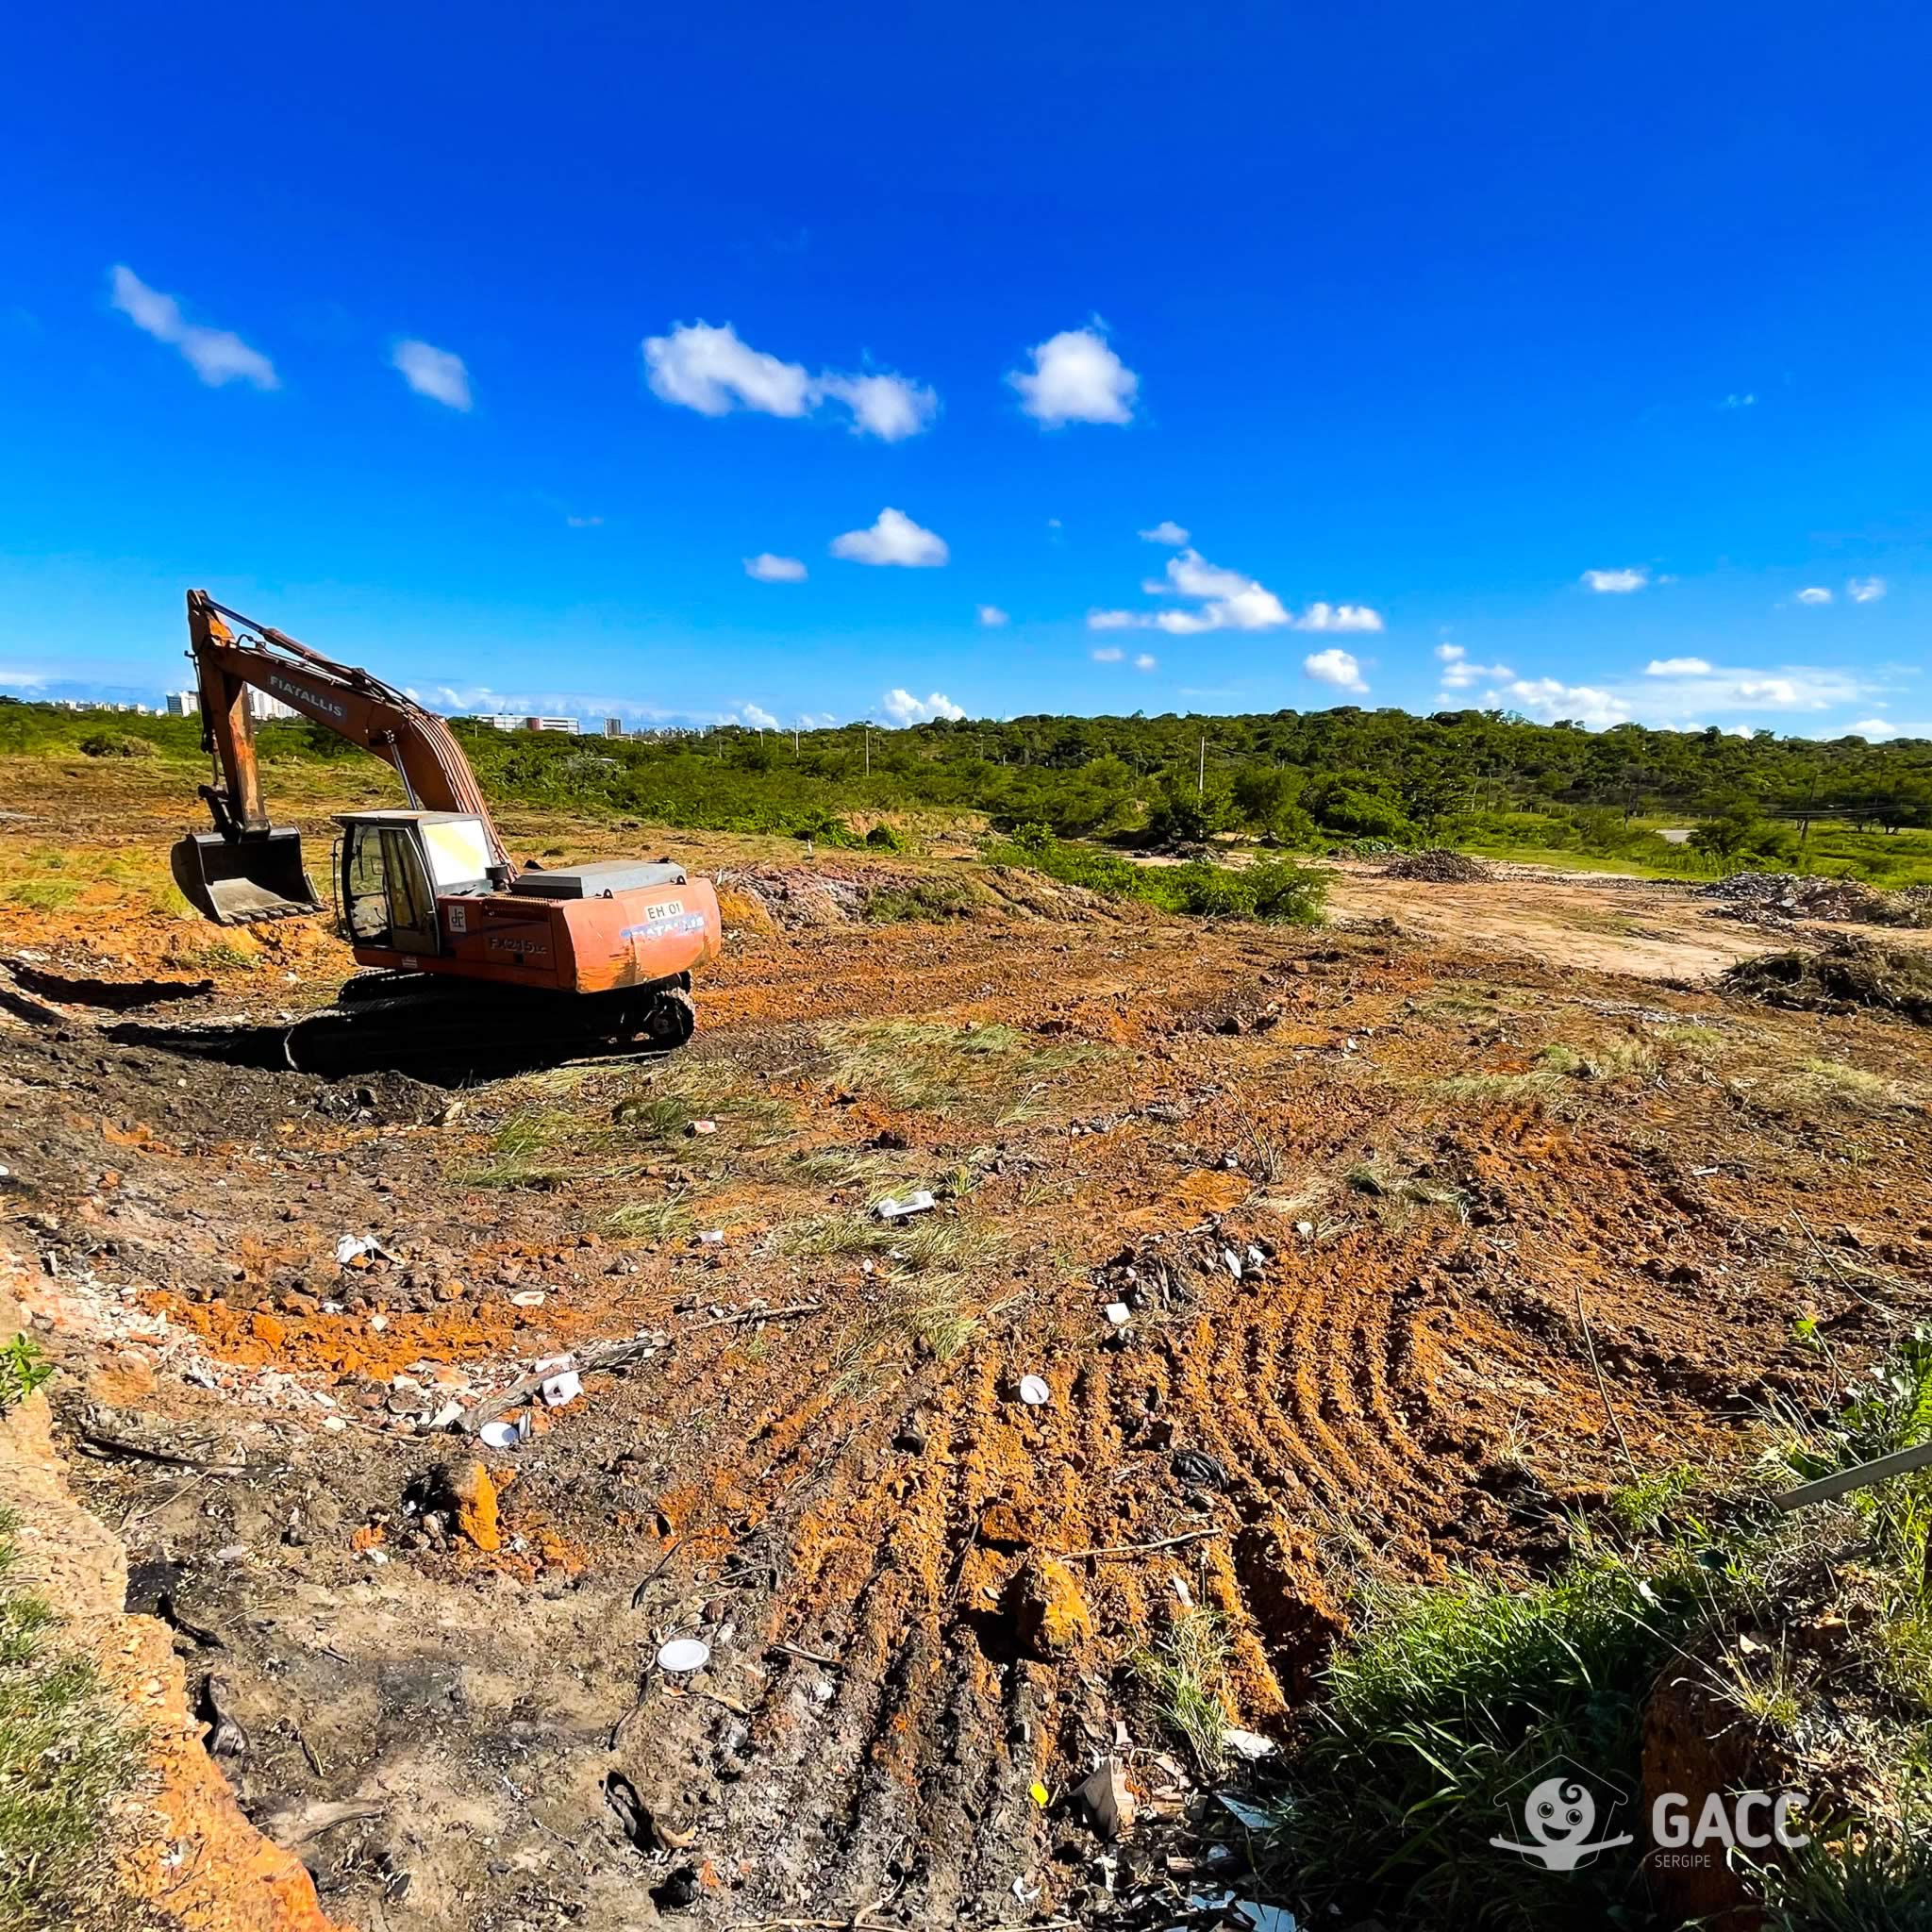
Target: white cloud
x=1616, y=580
x=1676, y=694
x=758, y=718
x=1549, y=698
x=992, y=617
x=1865, y=589
x=1166, y=531
x=1106, y=654
x=1337, y=667
x=768, y=569
x=1227, y=600
x=816, y=721
x=889, y=407
x=1458, y=673
x=1739, y=402
x=1339, y=617
x=894, y=537
x=1814, y=593
x=573, y=523
x=902, y=708
x=215, y=355
x=433, y=373
x=1147, y=661
x=1076, y=378
x=714, y=371
x=1874, y=727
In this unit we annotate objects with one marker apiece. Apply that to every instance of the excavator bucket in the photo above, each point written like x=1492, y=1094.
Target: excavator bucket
x=238, y=881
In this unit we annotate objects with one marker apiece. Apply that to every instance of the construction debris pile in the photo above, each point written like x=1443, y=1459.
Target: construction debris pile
x=1440, y=868
x=1847, y=974
x=1782, y=898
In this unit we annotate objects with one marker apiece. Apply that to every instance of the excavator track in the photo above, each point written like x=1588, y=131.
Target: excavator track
x=444, y=1030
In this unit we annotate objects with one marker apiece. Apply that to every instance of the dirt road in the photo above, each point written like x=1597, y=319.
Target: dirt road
x=1356, y=1193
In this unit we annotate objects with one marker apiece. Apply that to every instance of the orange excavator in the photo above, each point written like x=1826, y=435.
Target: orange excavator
x=475, y=959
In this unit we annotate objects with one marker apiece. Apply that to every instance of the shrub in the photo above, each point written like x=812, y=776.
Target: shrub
x=116, y=744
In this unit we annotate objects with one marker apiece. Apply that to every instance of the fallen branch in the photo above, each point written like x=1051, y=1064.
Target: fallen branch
x=1603, y=1387
x=810, y=1656
x=104, y=1445
x=1171, y=1543
x=758, y=1315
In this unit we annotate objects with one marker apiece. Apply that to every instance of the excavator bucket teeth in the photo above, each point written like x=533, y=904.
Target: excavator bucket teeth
x=238, y=881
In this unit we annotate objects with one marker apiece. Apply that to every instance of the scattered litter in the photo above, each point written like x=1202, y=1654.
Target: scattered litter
x=918, y=1202
x=1025, y=1891
x=1119, y=1314
x=1040, y=1795
x=1305, y=1230
x=1250, y=1815
x=1700, y=1174
x=713, y=1238
x=500, y=1435
x=1265, y=1917
x=822, y=1691
x=563, y=1387
x=448, y=1417
x=702, y=1127
x=1108, y=1802
x=1202, y=1471
x=351, y=1248
x=684, y=1654
x=1034, y=1391
x=1248, y=1745
x=528, y=1298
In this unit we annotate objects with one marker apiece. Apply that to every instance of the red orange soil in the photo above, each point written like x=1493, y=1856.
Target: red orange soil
x=1392, y=1378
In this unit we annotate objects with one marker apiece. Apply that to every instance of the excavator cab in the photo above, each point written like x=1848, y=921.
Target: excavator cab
x=239, y=879
x=395, y=863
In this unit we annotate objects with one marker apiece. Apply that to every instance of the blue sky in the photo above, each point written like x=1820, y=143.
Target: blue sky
x=771, y=364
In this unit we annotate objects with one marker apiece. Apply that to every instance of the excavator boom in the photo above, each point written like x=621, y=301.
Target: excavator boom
x=248, y=869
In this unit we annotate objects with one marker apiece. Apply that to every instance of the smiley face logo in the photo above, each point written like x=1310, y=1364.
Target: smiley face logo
x=1559, y=1812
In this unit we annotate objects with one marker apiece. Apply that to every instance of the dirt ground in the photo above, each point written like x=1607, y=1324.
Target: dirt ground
x=1368, y=1197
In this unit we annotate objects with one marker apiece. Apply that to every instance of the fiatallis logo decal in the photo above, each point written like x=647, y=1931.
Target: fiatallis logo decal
x=313, y=700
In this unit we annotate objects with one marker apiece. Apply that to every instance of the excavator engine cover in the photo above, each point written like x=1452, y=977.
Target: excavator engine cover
x=238, y=881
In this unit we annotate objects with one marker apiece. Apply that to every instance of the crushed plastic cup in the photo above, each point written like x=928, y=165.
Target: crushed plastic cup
x=1034, y=1391
x=684, y=1654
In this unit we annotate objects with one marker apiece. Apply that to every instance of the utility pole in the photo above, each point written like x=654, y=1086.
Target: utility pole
x=1201, y=776
x=794, y=740
x=868, y=751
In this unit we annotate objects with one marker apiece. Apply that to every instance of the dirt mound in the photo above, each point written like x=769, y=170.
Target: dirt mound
x=1440, y=868
x=1781, y=897
x=238, y=1881
x=1847, y=976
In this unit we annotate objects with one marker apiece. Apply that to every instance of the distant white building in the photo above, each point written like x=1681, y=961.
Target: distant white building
x=265, y=710
x=613, y=728
x=184, y=704
x=567, y=725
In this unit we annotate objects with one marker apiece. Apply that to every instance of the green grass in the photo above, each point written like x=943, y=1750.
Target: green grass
x=1443, y=1699
x=1184, y=1674
x=995, y=1073
x=68, y=1753
x=926, y=1243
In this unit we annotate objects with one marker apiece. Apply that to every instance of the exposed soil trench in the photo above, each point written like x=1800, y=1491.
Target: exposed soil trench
x=1352, y=1211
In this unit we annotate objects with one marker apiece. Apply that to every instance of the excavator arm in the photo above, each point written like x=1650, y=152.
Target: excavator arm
x=248, y=868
